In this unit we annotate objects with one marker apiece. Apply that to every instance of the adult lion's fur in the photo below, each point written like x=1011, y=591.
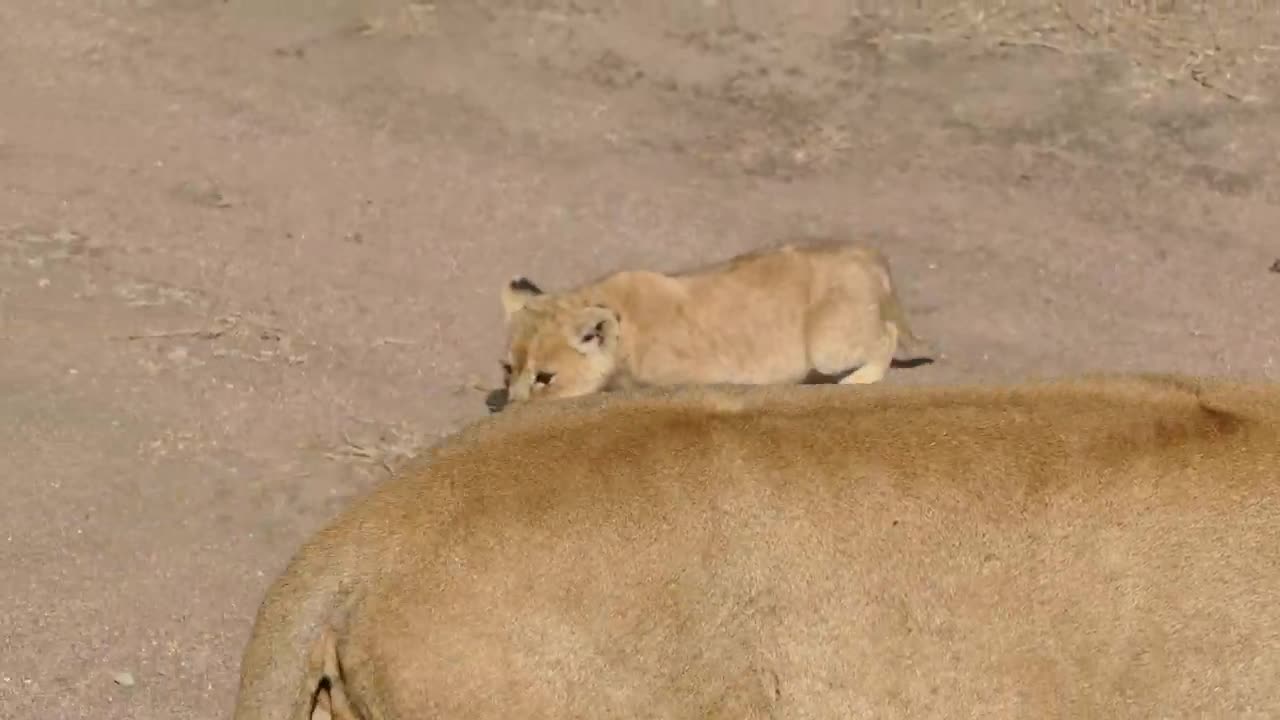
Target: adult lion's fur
x=1096, y=548
x=776, y=315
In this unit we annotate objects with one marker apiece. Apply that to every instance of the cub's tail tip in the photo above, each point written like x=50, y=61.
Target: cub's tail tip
x=918, y=351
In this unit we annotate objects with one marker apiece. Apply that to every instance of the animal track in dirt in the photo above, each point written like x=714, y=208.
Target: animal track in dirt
x=379, y=445
x=35, y=248
x=137, y=293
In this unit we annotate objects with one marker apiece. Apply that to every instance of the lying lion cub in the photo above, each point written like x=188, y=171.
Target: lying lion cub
x=1101, y=548
x=772, y=316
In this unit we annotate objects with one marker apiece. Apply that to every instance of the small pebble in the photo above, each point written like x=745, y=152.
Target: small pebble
x=123, y=679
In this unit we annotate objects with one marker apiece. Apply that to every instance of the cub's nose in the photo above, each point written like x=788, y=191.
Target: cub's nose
x=496, y=400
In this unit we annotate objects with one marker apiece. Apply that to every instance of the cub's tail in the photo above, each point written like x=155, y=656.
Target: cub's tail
x=910, y=345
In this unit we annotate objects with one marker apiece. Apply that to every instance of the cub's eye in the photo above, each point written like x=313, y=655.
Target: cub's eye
x=506, y=368
x=544, y=378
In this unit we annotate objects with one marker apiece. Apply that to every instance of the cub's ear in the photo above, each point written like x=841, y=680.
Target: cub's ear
x=517, y=293
x=595, y=329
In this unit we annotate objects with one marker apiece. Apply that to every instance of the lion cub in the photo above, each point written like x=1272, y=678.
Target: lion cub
x=768, y=317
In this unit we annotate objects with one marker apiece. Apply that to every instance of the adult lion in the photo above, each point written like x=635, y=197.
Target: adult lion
x=1097, y=548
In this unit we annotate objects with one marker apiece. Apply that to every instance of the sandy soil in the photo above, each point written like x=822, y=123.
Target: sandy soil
x=249, y=258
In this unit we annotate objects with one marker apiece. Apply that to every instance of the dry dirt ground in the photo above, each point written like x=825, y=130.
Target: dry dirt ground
x=250, y=251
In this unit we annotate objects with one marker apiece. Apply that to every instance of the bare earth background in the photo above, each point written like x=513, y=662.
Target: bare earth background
x=250, y=251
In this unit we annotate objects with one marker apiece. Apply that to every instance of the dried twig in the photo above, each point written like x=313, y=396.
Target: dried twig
x=1202, y=79
x=227, y=324
x=1080, y=25
x=1011, y=42
x=352, y=449
x=202, y=334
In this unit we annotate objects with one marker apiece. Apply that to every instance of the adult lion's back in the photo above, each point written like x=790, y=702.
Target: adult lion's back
x=1094, y=548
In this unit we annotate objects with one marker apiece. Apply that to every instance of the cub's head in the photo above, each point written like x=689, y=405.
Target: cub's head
x=557, y=347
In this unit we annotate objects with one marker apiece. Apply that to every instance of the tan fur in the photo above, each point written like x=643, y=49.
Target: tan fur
x=1100, y=548
x=768, y=317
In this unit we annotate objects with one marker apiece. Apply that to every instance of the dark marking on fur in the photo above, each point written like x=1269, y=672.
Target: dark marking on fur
x=1222, y=423
x=525, y=285
x=595, y=334
x=323, y=692
x=1194, y=428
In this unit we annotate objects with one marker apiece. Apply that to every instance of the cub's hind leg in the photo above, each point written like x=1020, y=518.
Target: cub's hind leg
x=878, y=358
x=844, y=335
